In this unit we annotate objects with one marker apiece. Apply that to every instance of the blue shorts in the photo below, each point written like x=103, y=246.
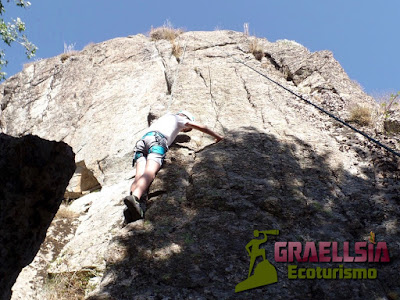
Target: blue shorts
x=153, y=145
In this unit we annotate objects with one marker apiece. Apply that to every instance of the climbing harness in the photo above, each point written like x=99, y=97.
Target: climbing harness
x=151, y=142
x=322, y=110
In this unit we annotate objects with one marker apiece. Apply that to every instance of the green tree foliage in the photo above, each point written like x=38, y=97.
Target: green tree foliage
x=13, y=32
x=392, y=98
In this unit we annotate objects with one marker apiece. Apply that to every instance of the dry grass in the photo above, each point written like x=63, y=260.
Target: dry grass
x=65, y=213
x=246, y=29
x=362, y=115
x=65, y=56
x=176, y=50
x=256, y=49
x=165, y=32
x=68, y=285
x=169, y=33
x=69, y=50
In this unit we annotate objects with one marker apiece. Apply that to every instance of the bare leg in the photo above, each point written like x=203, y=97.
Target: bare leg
x=141, y=184
x=140, y=167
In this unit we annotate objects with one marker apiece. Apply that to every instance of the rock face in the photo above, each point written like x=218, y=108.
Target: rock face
x=282, y=166
x=33, y=174
x=82, y=182
x=392, y=122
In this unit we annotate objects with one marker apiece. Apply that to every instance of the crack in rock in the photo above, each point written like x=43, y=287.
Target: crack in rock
x=215, y=45
x=198, y=72
x=166, y=75
x=247, y=90
x=272, y=61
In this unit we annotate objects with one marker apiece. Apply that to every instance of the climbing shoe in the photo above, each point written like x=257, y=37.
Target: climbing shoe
x=134, y=212
x=127, y=216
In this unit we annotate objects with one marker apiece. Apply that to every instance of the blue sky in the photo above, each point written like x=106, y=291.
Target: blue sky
x=363, y=35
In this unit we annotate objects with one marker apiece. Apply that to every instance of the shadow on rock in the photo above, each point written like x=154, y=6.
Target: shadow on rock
x=192, y=244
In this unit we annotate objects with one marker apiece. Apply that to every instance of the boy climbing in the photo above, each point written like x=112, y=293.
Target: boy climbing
x=150, y=152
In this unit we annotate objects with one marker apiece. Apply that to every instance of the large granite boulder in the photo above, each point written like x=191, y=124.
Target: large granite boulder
x=33, y=176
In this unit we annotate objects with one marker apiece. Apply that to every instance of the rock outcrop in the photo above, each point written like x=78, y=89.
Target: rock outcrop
x=283, y=165
x=33, y=174
x=392, y=122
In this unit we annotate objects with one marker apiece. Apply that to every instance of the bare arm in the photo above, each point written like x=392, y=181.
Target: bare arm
x=204, y=129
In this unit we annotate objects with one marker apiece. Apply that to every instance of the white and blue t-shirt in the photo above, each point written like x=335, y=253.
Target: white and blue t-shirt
x=169, y=125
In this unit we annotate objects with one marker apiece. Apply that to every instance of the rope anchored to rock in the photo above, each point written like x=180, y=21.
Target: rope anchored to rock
x=371, y=139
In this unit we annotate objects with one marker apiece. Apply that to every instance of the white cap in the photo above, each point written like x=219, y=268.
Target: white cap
x=187, y=114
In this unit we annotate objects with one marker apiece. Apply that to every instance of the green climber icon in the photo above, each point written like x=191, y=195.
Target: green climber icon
x=264, y=273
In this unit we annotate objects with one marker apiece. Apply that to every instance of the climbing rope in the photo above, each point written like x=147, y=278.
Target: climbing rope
x=322, y=110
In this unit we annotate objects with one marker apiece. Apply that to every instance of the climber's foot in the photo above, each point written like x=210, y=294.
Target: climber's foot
x=134, y=211
x=127, y=216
